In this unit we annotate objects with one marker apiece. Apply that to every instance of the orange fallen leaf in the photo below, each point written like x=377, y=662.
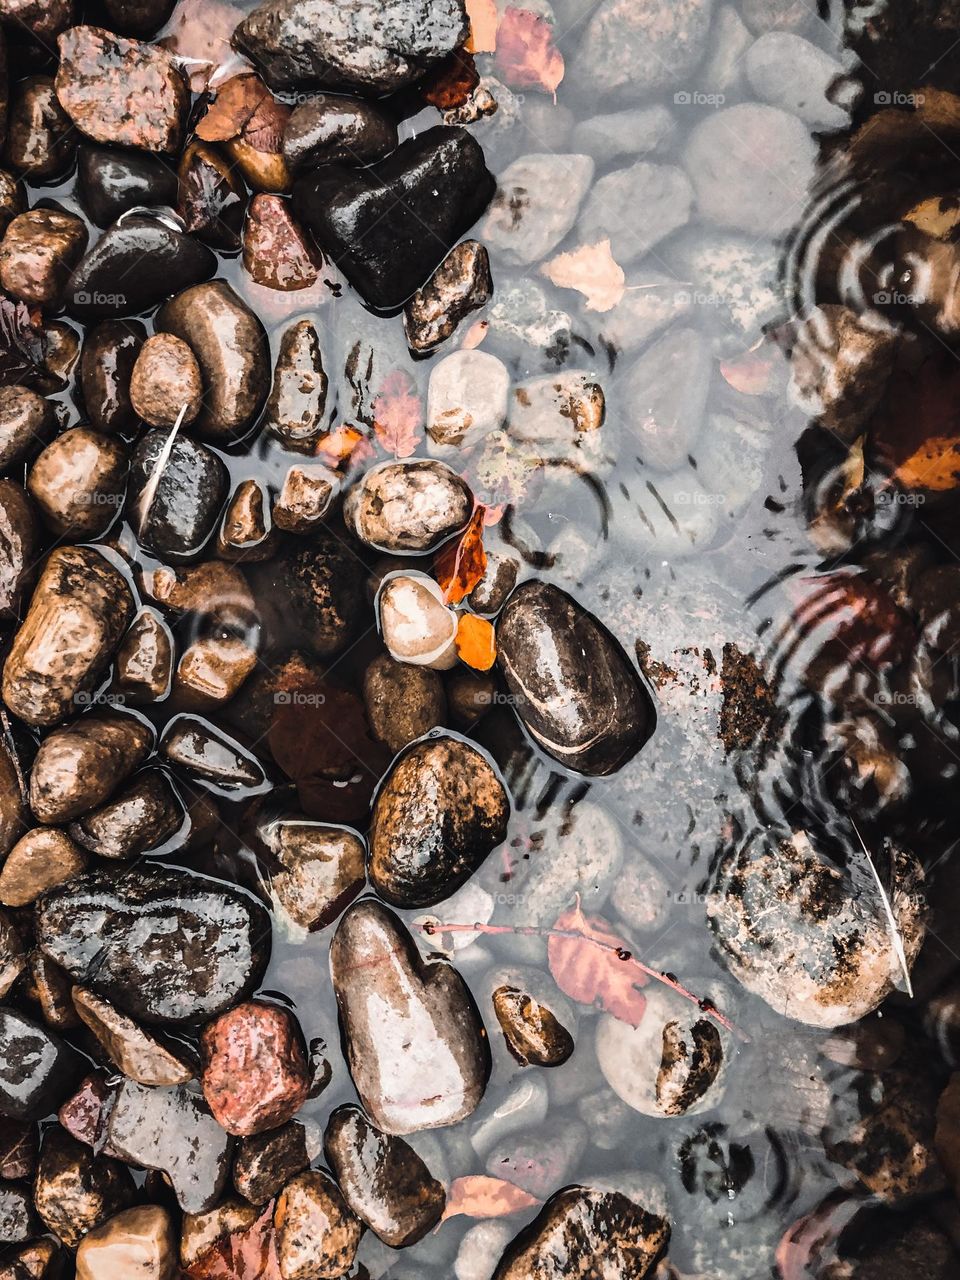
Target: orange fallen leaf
x=344, y=444
x=526, y=55
x=478, y=1196
x=461, y=564
x=935, y=465
x=451, y=85
x=397, y=415
x=594, y=974
x=593, y=271
x=476, y=645
x=236, y=102
x=750, y=374
x=483, y=26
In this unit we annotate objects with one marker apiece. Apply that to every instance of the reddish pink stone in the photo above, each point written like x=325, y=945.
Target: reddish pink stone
x=254, y=1072
x=84, y=1115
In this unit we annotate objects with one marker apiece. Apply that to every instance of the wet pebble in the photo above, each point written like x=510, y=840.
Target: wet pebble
x=26, y=422
x=231, y=347
x=408, y=506
x=212, y=669
x=317, y=1234
x=788, y=71
x=840, y=367
x=41, y=139
x=170, y=947
x=460, y=285
x=358, y=217
x=466, y=399
x=461, y=810
x=19, y=544
x=321, y=869
x=41, y=859
x=295, y=411
x=321, y=586
x=199, y=1232
x=264, y=1162
x=245, y=532
x=38, y=252
x=589, y=712
x=78, y=482
x=330, y=129
x=415, y=1043
x=667, y=392
x=172, y=1130
x=144, y=661
x=77, y=767
x=349, y=46
x=18, y=1222
x=133, y=1050
x=254, y=1072
x=138, y=1242
x=418, y=629
x=187, y=498
x=632, y=48
x=75, y=1191
x=210, y=756
x=382, y=1179
x=537, y=202
x=13, y=958
x=78, y=588
x=121, y=91
x=540, y=1159
x=165, y=381
x=107, y=359
x=139, y=817
x=637, y=131
x=19, y=1147
x=37, y=1069
x=112, y=180
x=533, y=1034
x=305, y=498
x=275, y=252
x=211, y=197
x=148, y=258
x=403, y=701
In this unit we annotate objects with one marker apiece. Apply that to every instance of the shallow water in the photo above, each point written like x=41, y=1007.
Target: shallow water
x=706, y=560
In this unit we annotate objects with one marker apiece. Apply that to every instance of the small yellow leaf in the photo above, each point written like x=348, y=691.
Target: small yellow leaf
x=593, y=271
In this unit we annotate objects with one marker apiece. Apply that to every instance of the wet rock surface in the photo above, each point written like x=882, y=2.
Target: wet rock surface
x=316, y=1232
x=76, y=1191
x=38, y=251
x=96, y=927
x=165, y=381
x=408, y=506
x=139, y=1240
x=264, y=1163
x=321, y=869
x=112, y=181
x=77, y=767
x=260, y=1045
x=337, y=130
x=295, y=411
x=186, y=498
x=38, y=1068
x=390, y=205
x=382, y=1178
x=359, y=46
x=436, y=1077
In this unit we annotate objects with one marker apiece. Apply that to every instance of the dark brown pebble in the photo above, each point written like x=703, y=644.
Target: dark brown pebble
x=41, y=139
x=112, y=180
x=109, y=353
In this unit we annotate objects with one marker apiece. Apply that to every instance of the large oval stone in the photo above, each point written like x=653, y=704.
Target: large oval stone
x=415, y=1043
x=441, y=810
x=573, y=686
x=165, y=946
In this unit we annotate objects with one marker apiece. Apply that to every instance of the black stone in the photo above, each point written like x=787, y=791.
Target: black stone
x=211, y=757
x=388, y=227
x=110, y=351
x=136, y=264
x=112, y=180
x=37, y=1070
x=337, y=130
x=166, y=946
x=374, y=46
x=573, y=686
x=265, y=1162
x=187, y=500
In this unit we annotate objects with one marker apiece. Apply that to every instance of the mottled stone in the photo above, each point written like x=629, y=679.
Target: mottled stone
x=264, y=1162
x=13, y=958
x=26, y=423
x=275, y=252
x=295, y=411
x=321, y=869
x=181, y=509
x=632, y=48
x=245, y=532
x=317, y=1235
x=41, y=139
x=78, y=767
x=78, y=612
x=415, y=1043
x=166, y=947
x=78, y=482
x=211, y=196
x=38, y=252
x=590, y=715
x=144, y=661
x=254, y=1072
x=321, y=584
x=537, y=201
x=75, y=1191
x=122, y=91
x=461, y=284
x=403, y=702
x=172, y=1130
x=140, y=817
x=199, y=1232
x=166, y=382
x=466, y=399
x=418, y=629
x=19, y=544
x=408, y=506
x=382, y=1179
x=136, y=1243
x=305, y=498
x=332, y=129
x=533, y=1034
x=37, y=1069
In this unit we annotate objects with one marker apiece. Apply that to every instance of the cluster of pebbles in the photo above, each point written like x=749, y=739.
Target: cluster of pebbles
x=291, y=825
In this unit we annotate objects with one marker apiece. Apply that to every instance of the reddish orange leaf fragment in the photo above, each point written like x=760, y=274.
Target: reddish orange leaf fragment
x=483, y=26
x=526, y=55
x=461, y=564
x=242, y=1255
x=481, y=1197
x=344, y=444
x=397, y=415
x=593, y=974
x=750, y=374
x=476, y=645
x=452, y=83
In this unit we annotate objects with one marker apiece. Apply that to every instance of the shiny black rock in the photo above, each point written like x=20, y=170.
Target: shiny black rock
x=37, y=1069
x=187, y=499
x=113, y=180
x=387, y=227
x=135, y=264
x=374, y=46
x=573, y=686
x=165, y=946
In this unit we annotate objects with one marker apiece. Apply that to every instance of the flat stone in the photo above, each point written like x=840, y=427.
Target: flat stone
x=373, y=47
x=211, y=756
x=439, y=812
x=638, y=131
x=666, y=391
x=388, y=226
x=329, y=129
x=321, y=869
x=305, y=498
x=275, y=251
x=187, y=498
x=142, y=815
x=533, y=1034
x=41, y=138
x=296, y=407
x=136, y=1052
x=172, y=1130
x=165, y=947
x=466, y=399
x=415, y=1043
x=138, y=1242
x=662, y=191
x=121, y=91
x=633, y=48
x=537, y=202
x=382, y=1179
